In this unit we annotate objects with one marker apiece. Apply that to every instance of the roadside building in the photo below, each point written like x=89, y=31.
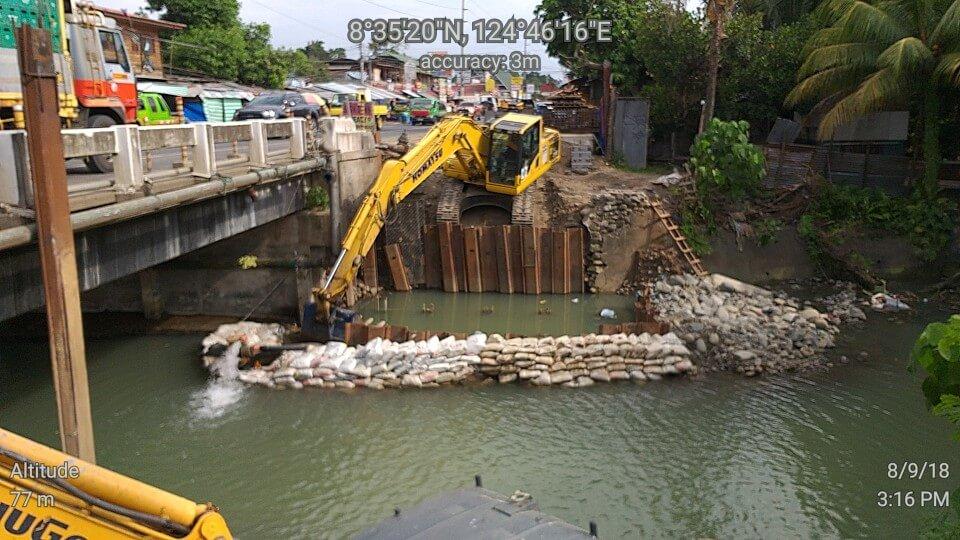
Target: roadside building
x=141, y=38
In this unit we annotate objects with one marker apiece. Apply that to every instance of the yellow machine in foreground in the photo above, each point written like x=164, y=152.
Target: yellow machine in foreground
x=505, y=157
x=46, y=494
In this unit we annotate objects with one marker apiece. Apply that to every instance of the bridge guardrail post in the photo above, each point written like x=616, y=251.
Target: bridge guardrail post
x=258, y=143
x=16, y=188
x=128, y=164
x=298, y=138
x=204, y=162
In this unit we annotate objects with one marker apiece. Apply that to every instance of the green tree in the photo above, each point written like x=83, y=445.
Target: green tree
x=880, y=55
x=316, y=51
x=262, y=65
x=777, y=13
x=759, y=69
x=198, y=13
x=300, y=65
x=214, y=51
x=937, y=352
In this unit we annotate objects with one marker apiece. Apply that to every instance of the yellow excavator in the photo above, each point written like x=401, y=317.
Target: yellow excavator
x=48, y=495
x=504, y=157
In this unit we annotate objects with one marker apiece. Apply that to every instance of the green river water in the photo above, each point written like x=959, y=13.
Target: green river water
x=800, y=455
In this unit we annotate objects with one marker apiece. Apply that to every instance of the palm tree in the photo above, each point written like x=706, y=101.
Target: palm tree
x=880, y=54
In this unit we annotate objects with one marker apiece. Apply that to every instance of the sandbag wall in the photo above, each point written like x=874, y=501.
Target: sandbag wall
x=503, y=258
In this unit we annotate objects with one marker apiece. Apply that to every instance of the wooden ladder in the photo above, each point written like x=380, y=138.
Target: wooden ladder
x=678, y=238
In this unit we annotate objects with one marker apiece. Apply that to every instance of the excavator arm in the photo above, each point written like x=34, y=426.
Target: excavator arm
x=45, y=493
x=454, y=136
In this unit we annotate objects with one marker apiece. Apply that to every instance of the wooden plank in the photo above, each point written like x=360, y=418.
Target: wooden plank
x=374, y=331
x=355, y=333
x=447, y=264
x=58, y=261
x=504, y=272
x=561, y=263
x=432, y=269
x=369, y=268
x=397, y=270
x=488, y=259
x=545, y=254
x=575, y=248
x=397, y=333
x=456, y=240
x=528, y=256
x=516, y=260
x=471, y=259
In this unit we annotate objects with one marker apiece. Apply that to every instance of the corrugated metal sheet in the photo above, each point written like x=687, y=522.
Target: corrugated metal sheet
x=213, y=109
x=221, y=109
x=230, y=106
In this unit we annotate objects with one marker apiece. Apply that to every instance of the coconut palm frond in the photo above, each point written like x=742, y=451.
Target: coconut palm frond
x=869, y=22
x=824, y=38
x=877, y=92
x=948, y=29
x=905, y=57
x=948, y=69
x=827, y=82
x=833, y=10
x=844, y=54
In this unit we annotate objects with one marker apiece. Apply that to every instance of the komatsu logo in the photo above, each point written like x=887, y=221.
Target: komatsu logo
x=20, y=523
x=430, y=161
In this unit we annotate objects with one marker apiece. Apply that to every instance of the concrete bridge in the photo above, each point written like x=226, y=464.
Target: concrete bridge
x=176, y=190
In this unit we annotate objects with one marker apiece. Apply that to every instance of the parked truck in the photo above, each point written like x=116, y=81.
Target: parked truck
x=97, y=85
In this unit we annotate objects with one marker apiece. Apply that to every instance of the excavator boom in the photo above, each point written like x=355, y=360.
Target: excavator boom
x=398, y=178
x=45, y=493
x=521, y=151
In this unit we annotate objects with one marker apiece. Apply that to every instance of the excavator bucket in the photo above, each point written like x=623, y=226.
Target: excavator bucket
x=331, y=328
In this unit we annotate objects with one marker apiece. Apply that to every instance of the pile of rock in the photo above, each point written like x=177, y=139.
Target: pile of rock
x=732, y=325
x=607, y=212
x=842, y=305
x=566, y=361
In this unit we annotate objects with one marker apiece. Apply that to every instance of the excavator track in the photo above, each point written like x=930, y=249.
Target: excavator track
x=522, y=213
x=448, y=205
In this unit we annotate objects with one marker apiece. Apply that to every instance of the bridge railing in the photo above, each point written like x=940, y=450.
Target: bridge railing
x=205, y=149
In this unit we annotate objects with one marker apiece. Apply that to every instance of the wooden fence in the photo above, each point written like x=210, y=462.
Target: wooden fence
x=503, y=258
x=792, y=163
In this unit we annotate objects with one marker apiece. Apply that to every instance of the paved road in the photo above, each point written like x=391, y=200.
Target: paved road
x=391, y=132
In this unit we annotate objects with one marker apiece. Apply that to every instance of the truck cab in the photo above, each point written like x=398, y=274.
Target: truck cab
x=152, y=110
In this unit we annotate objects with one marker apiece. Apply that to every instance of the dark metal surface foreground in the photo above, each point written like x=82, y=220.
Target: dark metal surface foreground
x=472, y=513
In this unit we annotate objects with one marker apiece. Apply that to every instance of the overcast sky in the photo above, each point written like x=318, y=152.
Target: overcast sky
x=295, y=22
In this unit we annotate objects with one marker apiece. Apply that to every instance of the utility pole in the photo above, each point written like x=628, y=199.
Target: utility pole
x=463, y=21
x=55, y=238
x=717, y=12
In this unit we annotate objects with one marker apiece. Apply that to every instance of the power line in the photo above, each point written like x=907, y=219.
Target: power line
x=296, y=20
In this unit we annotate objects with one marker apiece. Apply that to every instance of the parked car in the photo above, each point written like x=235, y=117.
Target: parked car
x=270, y=105
x=426, y=111
x=152, y=110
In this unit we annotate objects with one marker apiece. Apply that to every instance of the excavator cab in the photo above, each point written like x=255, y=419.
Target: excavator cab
x=519, y=152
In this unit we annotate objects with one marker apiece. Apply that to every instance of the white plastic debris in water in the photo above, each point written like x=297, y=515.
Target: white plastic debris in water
x=608, y=313
x=576, y=300
x=886, y=302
